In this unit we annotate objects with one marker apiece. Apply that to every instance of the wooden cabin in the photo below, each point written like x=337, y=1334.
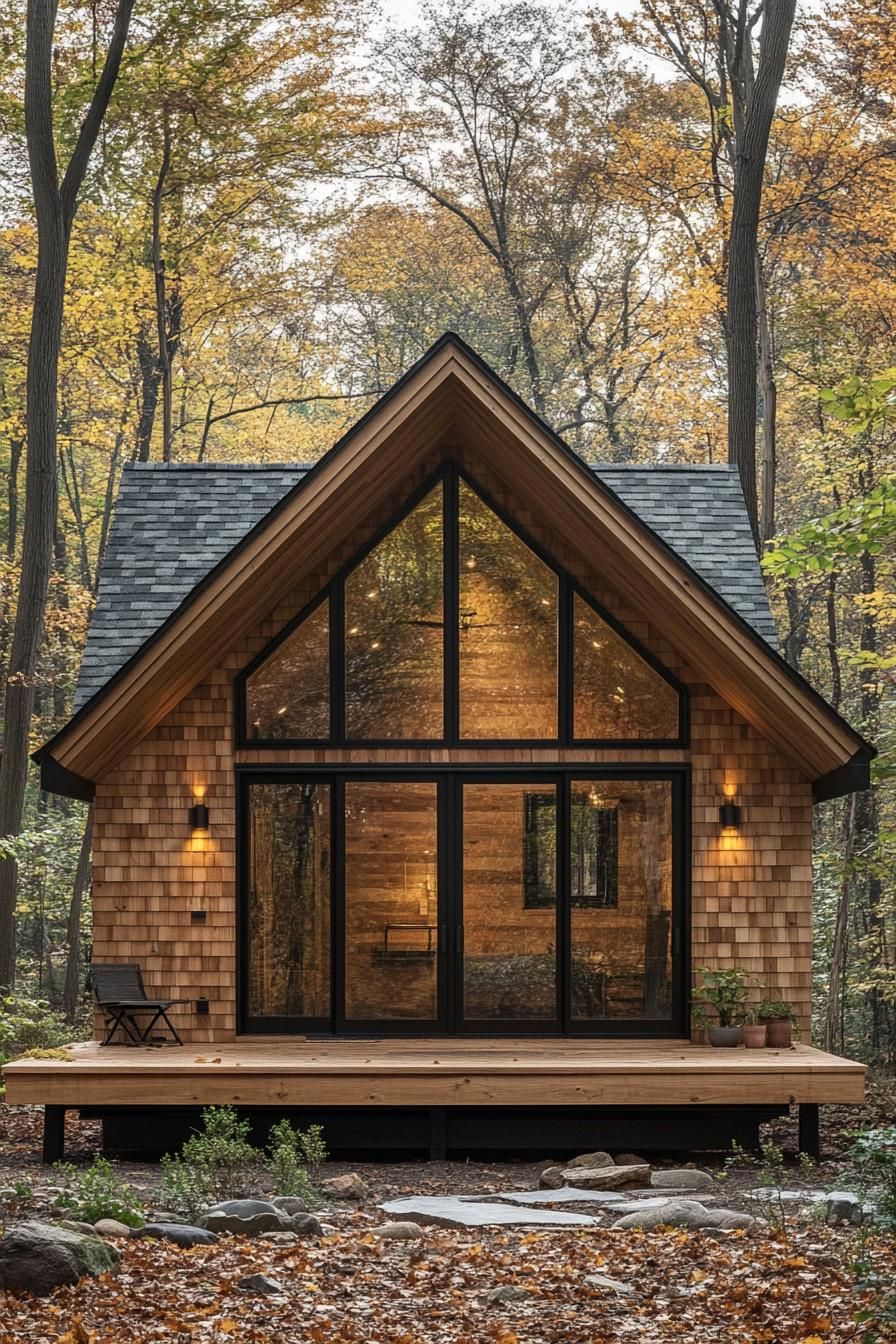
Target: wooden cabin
x=408, y=772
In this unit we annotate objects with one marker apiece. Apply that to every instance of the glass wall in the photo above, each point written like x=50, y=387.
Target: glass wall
x=618, y=695
x=508, y=630
x=289, y=901
x=288, y=696
x=621, y=898
x=509, y=902
x=394, y=632
x=391, y=901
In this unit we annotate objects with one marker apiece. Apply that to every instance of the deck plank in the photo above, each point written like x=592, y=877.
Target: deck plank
x=281, y=1071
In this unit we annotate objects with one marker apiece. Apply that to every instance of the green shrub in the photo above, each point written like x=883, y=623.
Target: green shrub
x=874, y=1151
x=95, y=1192
x=214, y=1164
x=31, y=1024
x=295, y=1156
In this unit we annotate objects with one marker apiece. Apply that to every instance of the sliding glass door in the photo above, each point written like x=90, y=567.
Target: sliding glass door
x=519, y=902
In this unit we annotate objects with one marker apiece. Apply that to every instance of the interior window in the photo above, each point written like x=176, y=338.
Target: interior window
x=508, y=630
x=288, y=696
x=394, y=631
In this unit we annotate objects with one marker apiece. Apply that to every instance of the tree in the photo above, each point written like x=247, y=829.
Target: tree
x=55, y=204
x=714, y=46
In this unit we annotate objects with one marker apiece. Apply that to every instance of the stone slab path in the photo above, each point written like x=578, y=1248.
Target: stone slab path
x=451, y=1211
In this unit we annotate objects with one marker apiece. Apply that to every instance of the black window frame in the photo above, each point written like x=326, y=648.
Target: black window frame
x=450, y=778
x=449, y=475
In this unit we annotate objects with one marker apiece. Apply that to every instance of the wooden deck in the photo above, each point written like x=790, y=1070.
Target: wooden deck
x=275, y=1071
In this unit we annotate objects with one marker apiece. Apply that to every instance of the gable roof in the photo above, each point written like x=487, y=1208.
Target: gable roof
x=452, y=397
x=175, y=522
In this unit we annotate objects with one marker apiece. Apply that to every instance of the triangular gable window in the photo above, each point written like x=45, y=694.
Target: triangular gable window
x=454, y=628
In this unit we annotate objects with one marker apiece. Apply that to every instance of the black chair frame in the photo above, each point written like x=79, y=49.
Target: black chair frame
x=120, y=994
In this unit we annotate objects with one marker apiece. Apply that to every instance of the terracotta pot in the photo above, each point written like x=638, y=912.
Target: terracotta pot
x=778, y=1032
x=725, y=1036
x=754, y=1035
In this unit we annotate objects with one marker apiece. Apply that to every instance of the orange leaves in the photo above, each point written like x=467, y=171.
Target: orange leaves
x=76, y=1334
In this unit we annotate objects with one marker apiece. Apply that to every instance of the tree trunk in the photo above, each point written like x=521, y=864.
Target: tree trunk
x=833, y=1019
x=158, y=267
x=73, y=928
x=751, y=147
x=55, y=207
x=769, y=394
x=150, y=377
x=12, y=497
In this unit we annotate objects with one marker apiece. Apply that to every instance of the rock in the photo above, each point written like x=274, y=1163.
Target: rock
x=349, y=1186
x=567, y=1194
x=655, y=1202
x=181, y=1234
x=305, y=1225
x=606, y=1178
x=682, y=1178
x=397, y=1232
x=683, y=1213
x=290, y=1204
x=247, y=1217
x=72, y=1225
x=629, y=1160
x=551, y=1178
x=842, y=1206
x=508, y=1292
x=261, y=1285
x=592, y=1161
x=279, y=1238
x=614, y=1285
x=163, y=1216
x=450, y=1211
x=111, y=1227
x=38, y=1257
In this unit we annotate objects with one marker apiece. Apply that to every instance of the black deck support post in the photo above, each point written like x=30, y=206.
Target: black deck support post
x=437, y=1134
x=810, y=1136
x=54, y=1134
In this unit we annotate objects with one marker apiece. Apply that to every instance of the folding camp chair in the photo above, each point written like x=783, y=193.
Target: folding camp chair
x=119, y=992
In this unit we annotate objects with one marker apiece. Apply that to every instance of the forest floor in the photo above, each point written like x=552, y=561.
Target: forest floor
x=800, y=1280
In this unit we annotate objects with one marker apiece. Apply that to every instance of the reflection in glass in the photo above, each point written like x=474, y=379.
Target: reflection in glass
x=391, y=900
x=509, y=963
x=289, y=900
x=617, y=695
x=288, y=696
x=621, y=949
x=508, y=630
x=394, y=631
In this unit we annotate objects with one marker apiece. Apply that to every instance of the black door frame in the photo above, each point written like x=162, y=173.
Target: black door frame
x=450, y=779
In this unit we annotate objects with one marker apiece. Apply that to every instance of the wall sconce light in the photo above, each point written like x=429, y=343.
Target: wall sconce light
x=729, y=815
x=199, y=817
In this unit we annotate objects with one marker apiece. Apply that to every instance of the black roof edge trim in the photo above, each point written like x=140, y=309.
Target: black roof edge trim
x=585, y=471
x=55, y=778
x=853, y=777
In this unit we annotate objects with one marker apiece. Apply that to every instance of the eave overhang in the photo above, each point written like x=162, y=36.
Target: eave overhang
x=450, y=398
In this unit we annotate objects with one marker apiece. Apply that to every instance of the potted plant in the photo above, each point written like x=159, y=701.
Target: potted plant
x=780, y=1021
x=723, y=992
x=755, y=1031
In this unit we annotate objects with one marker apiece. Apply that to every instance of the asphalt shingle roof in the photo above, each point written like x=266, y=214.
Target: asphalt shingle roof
x=174, y=522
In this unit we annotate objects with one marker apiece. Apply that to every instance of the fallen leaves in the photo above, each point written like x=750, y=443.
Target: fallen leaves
x=686, y=1289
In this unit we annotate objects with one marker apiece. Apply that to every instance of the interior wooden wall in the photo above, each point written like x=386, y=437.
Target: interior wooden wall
x=751, y=893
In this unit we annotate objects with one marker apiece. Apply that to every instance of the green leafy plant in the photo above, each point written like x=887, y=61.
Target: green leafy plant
x=95, y=1192
x=776, y=1010
x=214, y=1164
x=769, y=1167
x=723, y=994
x=295, y=1157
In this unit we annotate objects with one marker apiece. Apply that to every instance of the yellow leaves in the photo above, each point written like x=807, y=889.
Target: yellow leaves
x=697, y=1276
